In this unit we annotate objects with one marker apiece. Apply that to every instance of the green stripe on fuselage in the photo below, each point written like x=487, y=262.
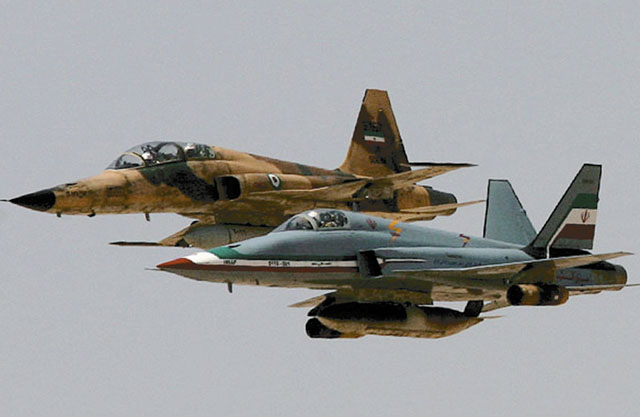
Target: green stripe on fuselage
x=587, y=201
x=225, y=252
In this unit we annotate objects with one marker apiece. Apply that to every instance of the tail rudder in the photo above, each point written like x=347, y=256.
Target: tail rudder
x=376, y=147
x=505, y=219
x=572, y=223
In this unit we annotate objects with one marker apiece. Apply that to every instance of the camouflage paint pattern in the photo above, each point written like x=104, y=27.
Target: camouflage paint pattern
x=237, y=189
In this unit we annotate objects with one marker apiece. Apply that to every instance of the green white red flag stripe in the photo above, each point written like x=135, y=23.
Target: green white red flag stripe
x=580, y=222
x=373, y=136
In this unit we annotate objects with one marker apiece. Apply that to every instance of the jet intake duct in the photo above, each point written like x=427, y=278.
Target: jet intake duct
x=537, y=295
x=231, y=187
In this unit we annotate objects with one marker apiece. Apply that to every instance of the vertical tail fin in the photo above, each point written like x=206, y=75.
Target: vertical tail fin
x=376, y=147
x=572, y=223
x=505, y=219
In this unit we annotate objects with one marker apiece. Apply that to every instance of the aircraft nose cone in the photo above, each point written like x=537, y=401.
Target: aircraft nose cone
x=40, y=200
x=180, y=263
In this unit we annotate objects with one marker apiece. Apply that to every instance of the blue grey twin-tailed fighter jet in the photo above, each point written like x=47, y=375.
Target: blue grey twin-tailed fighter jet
x=385, y=275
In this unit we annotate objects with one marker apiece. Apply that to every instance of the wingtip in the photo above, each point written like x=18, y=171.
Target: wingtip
x=126, y=243
x=620, y=254
x=436, y=164
x=310, y=302
x=468, y=203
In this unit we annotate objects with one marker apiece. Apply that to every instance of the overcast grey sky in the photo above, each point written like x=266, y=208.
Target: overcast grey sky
x=526, y=91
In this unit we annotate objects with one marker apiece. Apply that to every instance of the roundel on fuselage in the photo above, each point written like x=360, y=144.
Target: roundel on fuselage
x=275, y=181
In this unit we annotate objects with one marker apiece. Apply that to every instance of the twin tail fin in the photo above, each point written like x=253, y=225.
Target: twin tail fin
x=571, y=225
x=505, y=219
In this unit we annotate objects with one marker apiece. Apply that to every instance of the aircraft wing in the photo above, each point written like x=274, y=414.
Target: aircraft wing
x=420, y=213
x=439, y=208
x=362, y=188
x=421, y=297
x=421, y=286
x=401, y=179
x=429, y=212
x=473, y=277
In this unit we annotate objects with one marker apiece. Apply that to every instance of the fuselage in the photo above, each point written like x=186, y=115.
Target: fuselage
x=304, y=253
x=212, y=183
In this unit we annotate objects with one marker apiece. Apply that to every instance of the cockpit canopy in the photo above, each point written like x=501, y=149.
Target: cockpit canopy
x=321, y=219
x=154, y=153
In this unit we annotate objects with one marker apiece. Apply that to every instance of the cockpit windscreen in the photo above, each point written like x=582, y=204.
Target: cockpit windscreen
x=316, y=220
x=153, y=153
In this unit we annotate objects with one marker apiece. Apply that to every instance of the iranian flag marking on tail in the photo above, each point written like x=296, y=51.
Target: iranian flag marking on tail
x=370, y=136
x=580, y=223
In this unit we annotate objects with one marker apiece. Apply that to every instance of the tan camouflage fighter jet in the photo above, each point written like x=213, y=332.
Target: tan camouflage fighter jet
x=236, y=195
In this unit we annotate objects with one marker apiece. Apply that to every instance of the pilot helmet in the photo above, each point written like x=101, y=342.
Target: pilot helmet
x=147, y=156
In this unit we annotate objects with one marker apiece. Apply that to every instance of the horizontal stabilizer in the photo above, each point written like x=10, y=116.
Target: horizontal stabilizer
x=588, y=289
x=580, y=260
x=495, y=305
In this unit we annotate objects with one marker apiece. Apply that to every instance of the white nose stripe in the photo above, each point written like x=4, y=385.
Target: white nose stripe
x=203, y=258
